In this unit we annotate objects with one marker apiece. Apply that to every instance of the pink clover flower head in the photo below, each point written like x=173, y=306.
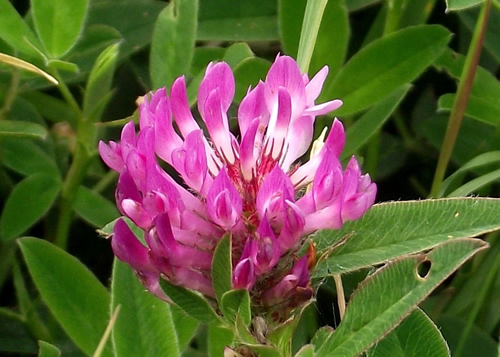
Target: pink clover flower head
x=252, y=187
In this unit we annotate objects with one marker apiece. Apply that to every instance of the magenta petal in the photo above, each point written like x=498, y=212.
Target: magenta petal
x=314, y=86
x=166, y=139
x=216, y=120
x=218, y=77
x=265, y=250
x=278, y=125
x=180, y=108
x=111, y=155
x=298, y=140
x=293, y=227
x=128, y=248
x=253, y=106
x=244, y=276
x=190, y=160
x=327, y=184
x=248, y=154
x=224, y=203
x=275, y=189
x=286, y=73
x=163, y=244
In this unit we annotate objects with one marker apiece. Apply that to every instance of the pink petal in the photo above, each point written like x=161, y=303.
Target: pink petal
x=128, y=248
x=224, y=203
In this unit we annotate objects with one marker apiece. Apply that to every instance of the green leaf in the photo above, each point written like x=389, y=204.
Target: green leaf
x=236, y=303
x=248, y=73
x=290, y=15
x=15, y=31
x=16, y=62
x=185, y=326
x=58, y=23
x=475, y=184
x=218, y=339
x=371, y=75
x=50, y=107
x=73, y=294
x=455, y=5
x=48, y=350
x=478, y=342
x=133, y=19
x=392, y=292
x=33, y=196
x=222, y=268
x=27, y=158
x=477, y=108
x=389, y=230
x=485, y=159
x=191, y=303
x=15, y=337
x=407, y=339
x=486, y=86
x=94, y=208
x=306, y=351
x=21, y=129
x=99, y=83
x=173, y=42
x=145, y=325
x=370, y=123
x=331, y=44
x=491, y=43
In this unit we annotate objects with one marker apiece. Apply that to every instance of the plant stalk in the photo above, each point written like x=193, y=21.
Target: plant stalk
x=461, y=99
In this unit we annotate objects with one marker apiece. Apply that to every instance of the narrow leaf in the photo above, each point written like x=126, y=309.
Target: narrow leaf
x=48, y=350
x=371, y=75
x=94, y=208
x=487, y=158
x=476, y=184
x=22, y=129
x=391, y=293
x=218, y=339
x=477, y=108
x=407, y=339
x=456, y=5
x=27, y=157
x=370, y=123
x=236, y=303
x=191, y=303
x=19, y=63
x=173, y=42
x=58, y=23
x=99, y=82
x=306, y=351
x=222, y=268
x=145, y=325
x=15, y=31
x=33, y=196
x=392, y=229
x=73, y=294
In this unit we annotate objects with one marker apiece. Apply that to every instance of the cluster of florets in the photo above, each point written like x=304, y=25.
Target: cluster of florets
x=252, y=188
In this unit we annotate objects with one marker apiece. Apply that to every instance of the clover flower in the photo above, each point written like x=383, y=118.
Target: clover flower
x=251, y=185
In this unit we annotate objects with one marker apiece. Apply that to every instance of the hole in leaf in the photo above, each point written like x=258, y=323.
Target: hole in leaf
x=423, y=269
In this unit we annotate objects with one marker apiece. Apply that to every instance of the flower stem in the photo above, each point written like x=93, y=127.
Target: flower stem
x=77, y=169
x=310, y=27
x=461, y=98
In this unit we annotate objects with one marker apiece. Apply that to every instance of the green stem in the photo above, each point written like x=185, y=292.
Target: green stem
x=462, y=97
x=392, y=20
x=394, y=12
x=76, y=172
x=11, y=94
x=310, y=27
x=478, y=303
